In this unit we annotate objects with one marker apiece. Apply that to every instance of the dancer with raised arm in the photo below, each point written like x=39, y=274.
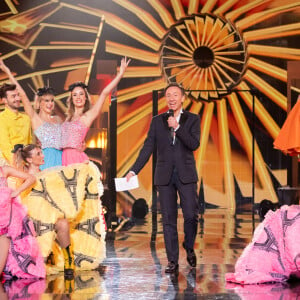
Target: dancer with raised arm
x=81, y=116
x=46, y=126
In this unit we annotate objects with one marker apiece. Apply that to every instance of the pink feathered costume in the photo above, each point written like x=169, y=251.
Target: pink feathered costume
x=274, y=253
x=24, y=258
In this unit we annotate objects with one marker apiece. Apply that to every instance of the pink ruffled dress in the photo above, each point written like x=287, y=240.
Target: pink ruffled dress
x=24, y=258
x=274, y=253
x=73, y=135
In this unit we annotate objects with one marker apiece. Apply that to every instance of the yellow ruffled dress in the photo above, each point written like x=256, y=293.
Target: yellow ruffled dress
x=71, y=192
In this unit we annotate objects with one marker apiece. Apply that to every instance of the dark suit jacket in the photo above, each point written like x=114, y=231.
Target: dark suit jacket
x=178, y=155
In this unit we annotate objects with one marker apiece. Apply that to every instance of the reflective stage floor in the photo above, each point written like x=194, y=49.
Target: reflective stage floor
x=136, y=260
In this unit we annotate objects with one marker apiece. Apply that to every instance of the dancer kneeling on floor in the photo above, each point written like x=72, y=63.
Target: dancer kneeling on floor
x=65, y=206
x=20, y=256
x=273, y=254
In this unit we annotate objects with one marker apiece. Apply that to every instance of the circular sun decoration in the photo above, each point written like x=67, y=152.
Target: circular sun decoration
x=208, y=63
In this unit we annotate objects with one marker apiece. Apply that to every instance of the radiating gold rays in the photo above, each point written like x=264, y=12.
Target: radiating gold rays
x=191, y=40
x=134, y=53
x=261, y=170
x=128, y=29
x=19, y=24
x=225, y=70
x=11, y=6
x=163, y=12
x=272, y=32
x=266, y=14
x=145, y=17
x=210, y=46
x=37, y=77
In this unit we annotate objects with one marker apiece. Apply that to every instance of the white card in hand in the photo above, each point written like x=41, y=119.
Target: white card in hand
x=123, y=185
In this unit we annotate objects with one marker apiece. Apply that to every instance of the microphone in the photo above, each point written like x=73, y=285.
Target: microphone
x=171, y=114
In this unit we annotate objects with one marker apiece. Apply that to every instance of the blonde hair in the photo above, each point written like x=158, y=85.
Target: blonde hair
x=21, y=154
x=41, y=92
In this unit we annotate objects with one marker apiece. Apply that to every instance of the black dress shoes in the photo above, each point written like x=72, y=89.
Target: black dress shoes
x=171, y=268
x=190, y=256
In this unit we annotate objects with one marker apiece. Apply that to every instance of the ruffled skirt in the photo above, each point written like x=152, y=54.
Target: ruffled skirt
x=73, y=193
x=274, y=253
x=288, y=139
x=24, y=257
x=73, y=156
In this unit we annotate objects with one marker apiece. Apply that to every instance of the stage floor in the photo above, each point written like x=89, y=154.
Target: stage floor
x=135, y=263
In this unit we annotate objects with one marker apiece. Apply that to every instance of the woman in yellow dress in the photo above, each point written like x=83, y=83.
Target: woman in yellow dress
x=70, y=195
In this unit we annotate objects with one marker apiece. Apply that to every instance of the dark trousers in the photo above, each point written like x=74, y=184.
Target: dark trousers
x=189, y=205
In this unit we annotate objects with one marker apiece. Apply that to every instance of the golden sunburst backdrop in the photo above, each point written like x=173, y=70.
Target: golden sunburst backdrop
x=228, y=55
x=204, y=52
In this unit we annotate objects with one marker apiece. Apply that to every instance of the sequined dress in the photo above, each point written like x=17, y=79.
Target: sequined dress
x=73, y=135
x=49, y=134
x=24, y=257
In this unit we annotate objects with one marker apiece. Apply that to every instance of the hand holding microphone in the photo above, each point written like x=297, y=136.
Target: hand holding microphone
x=172, y=122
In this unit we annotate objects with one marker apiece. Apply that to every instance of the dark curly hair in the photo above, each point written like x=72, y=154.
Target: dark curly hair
x=6, y=87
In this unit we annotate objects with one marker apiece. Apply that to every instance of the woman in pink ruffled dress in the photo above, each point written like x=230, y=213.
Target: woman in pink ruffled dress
x=81, y=116
x=274, y=253
x=20, y=255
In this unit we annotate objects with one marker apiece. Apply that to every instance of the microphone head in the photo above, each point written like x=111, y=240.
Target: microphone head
x=171, y=112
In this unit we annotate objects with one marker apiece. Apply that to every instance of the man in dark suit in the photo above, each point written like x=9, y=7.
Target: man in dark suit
x=174, y=135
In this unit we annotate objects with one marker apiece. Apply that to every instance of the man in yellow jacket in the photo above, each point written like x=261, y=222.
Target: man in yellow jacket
x=15, y=127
